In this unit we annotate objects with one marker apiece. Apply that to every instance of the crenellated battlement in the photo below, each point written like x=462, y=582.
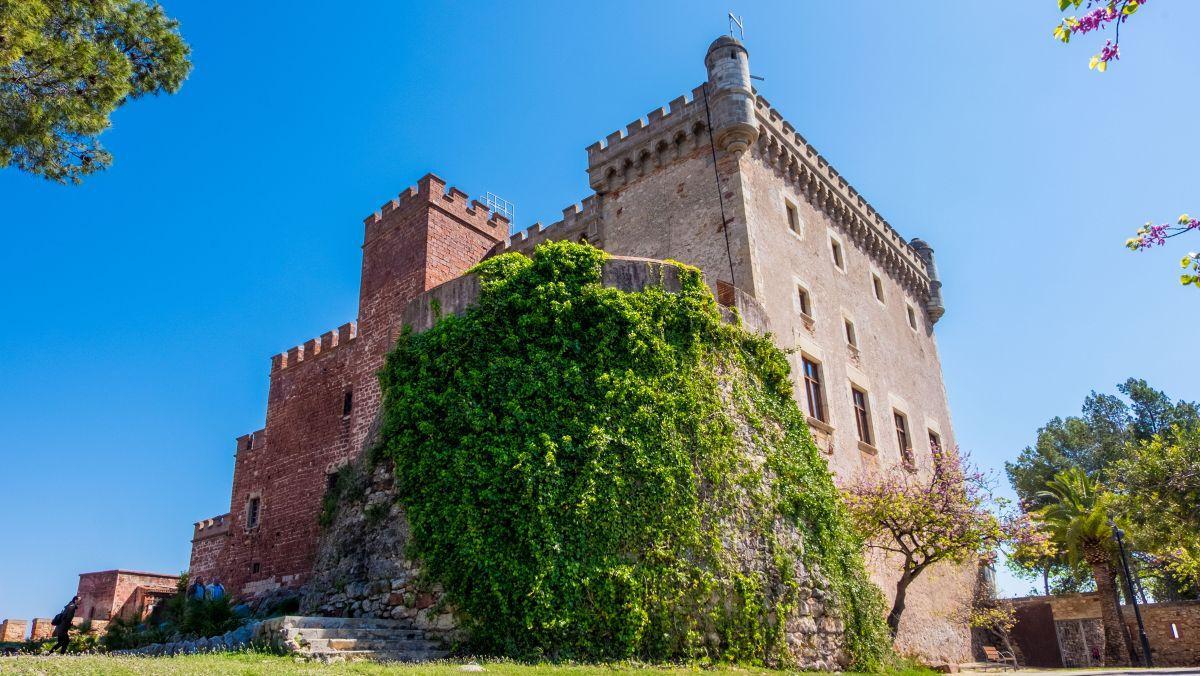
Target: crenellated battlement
x=314, y=347
x=662, y=136
x=580, y=222
x=207, y=528
x=431, y=190
x=782, y=148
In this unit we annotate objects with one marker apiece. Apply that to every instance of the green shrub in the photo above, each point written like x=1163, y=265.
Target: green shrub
x=177, y=618
x=570, y=457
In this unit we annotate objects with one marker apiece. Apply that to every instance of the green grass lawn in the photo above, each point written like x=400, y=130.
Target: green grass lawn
x=253, y=664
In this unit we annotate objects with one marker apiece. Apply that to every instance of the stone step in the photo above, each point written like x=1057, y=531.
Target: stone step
x=347, y=632
x=303, y=622
x=391, y=645
x=330, y=656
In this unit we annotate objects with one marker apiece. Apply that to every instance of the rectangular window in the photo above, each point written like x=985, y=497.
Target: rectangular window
x=902, y=439
x=812, y=388
x=862, y=415
x=347, y=403
x=836, y=248
x=252, y=510
x=935, y=442
x=805, y=305
x=851, y=337
x=912, y=318
x=878, y=285
x=255, y=567
x=793, y=216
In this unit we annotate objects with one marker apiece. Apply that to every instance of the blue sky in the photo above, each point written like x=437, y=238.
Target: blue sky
x=142, y=307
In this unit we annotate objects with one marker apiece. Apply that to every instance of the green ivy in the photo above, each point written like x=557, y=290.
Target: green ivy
x=578, y=464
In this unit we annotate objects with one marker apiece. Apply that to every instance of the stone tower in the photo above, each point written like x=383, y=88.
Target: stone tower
x=730, y=96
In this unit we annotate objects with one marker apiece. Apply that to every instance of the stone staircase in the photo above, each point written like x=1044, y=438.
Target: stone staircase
x=335, y=639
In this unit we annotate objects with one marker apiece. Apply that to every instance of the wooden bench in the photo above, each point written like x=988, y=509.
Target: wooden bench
x=1000, y=658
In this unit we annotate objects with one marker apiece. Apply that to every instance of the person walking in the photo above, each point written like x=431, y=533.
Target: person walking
x=62, y=625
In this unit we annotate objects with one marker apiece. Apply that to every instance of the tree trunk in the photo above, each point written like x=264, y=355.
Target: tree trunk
x=1117, y=646
x=893, y=618
x=1046, y=580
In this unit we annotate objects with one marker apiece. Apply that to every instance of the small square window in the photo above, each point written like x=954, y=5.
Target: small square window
x=803, y=299
x=836, y=248
x=252, y=513
x=912, y=318
x=793, y=216
x=851, y=336
x=255, y=567
x=878, y=286
x=862, y=414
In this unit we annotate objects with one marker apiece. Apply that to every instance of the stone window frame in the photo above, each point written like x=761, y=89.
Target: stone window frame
x=857, y=380
x=809, y=319
x=793, y=217
x=255, y=496
x=903, y=427
x=911, y=315
x=851, y=336
x=877, y=290
x=822, y=378
x=837, y=251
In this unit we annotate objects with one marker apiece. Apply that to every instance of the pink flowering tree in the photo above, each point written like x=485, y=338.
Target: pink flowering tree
x=923, y=521
x=1150, y=236
x=1099, y=16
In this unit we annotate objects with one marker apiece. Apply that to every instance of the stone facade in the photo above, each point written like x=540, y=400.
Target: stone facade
x=718, y=180
x=124, y=594
x=1173, y=629
x=42, y=629
x=13, y=631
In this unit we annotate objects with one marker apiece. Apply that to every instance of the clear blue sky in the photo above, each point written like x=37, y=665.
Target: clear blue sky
x=141, y=308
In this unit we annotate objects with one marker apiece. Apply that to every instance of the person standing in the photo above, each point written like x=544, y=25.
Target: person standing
x=196, y=590
x=62, y=626
x=216, y=590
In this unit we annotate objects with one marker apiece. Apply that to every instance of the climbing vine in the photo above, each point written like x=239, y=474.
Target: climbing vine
x=597, y=474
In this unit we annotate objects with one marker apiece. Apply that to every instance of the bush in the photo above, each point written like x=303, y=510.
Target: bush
x=177, y=618
x=570, y=458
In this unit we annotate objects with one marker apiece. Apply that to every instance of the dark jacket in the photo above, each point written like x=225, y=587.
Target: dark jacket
x=64, y=619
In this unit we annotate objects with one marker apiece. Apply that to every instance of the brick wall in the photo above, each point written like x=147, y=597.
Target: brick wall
x=42, y=629
x=13, y=630
x=109, y=594
x=426, y=236
x=208, y=547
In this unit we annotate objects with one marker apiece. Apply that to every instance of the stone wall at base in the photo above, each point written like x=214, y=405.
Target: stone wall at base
x=42, y=629
x=13, y=631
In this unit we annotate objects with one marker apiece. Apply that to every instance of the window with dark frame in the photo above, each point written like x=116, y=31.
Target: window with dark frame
x=851, y=337
x=252, y=510
x=862, y=416
x=793, y=218
x=802, y=295
x=912, y=317
x=902, y=438
x=836, y=248
x=878, y=286
x=935, y=442
x=255, y=567
x=347, y=403
x=812, y=388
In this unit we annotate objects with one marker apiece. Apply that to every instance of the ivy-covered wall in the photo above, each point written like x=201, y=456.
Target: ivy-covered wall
x=590, y=473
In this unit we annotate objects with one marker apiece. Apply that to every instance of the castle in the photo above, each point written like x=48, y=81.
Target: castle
x=718, y=180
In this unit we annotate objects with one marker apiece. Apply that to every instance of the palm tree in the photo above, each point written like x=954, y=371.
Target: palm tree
x=1075, y=515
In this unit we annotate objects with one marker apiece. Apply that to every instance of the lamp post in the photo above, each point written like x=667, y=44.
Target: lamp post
x=1120, y=535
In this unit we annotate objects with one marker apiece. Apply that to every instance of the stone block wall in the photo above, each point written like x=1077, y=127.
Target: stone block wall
x=42, y=629
x=13, y=631
x=109, y=594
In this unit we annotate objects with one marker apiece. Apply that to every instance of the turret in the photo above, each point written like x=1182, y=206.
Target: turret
x=934, y=305
x=730, y=96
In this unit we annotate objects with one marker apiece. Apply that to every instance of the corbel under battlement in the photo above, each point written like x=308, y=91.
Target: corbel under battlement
x=781, y=147
x=662, y=136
